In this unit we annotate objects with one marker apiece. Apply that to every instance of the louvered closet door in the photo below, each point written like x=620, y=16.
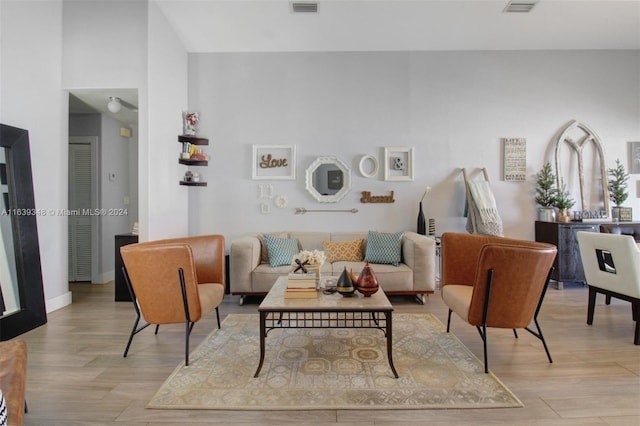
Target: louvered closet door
x=80, y=184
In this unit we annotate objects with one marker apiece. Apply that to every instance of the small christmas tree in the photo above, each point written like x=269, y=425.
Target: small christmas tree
x=618, y=184
x=545, y=191
x=563, y=199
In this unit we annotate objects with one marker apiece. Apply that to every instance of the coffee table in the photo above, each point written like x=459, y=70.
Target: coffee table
x=324, y=311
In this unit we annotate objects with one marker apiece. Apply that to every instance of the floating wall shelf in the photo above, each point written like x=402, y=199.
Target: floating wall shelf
x=193, y=140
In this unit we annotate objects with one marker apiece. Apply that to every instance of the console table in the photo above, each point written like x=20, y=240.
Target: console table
x=121, y=290
x=568, y=265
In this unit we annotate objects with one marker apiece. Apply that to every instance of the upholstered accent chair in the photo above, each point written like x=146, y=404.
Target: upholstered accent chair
x=497, y=282
x=611, y=267
x=175, y=281
x=13, y=378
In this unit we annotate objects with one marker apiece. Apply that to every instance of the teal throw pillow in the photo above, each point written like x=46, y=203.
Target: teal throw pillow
x=384, y=248
x=281, y=250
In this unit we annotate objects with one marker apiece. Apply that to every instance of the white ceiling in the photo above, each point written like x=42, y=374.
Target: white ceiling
x=385, y=25
x=408, y=25
x=87, y=101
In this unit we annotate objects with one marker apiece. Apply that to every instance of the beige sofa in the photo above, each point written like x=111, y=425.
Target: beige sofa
x=250, y=274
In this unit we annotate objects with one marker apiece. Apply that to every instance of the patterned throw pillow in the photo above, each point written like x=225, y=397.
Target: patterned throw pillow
x=264, y=254
x=281, y=250
x=346, y=251
x=384, y=248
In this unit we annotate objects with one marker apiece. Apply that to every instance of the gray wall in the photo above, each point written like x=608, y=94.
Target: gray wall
x=451, y=107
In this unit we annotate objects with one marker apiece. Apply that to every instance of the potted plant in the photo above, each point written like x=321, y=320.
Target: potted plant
x=563, y=202
x=618, y=178
x=546, y=193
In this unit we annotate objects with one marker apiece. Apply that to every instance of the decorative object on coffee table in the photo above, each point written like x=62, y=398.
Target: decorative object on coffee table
x=353, y=277
x=367, y=283
x=344, y=286
x=310, y=261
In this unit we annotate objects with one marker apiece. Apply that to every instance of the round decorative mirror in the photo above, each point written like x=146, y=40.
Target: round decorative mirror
x=328, y=179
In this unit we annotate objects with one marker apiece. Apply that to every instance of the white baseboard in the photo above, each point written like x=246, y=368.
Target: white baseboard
x=58, y=302
x=105, y=277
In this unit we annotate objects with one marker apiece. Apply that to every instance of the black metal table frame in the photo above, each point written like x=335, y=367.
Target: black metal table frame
x=279, y=318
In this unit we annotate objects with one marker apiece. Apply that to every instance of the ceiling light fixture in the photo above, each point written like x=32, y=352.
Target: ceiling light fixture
x=304, y=7
x=114, y=104
x=520, y=6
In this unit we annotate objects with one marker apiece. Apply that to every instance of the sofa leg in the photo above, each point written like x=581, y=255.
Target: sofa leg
x=420, y=298
x=241, y=302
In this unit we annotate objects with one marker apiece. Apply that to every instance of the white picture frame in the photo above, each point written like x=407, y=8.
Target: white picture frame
x=265, y=190
x=398, y=163
x=368, y=166
x=273, y=162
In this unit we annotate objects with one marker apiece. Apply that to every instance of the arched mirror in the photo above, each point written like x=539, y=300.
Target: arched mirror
x=328, y=179
x=21, y=290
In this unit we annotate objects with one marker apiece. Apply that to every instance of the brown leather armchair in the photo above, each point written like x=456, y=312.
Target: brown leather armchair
x=13, y=378
x=175, y=281
x=495, y=282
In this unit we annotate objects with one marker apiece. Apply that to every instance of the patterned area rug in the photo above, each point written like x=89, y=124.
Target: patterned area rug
x=332, y=369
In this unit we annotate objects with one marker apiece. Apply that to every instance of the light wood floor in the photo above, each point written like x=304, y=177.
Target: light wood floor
x=77, y=375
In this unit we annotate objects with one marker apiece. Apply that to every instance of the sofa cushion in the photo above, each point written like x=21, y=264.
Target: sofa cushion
x=384, y=248
x=281, y=250
x=264, y=254
x=348, y=251
x=310, y=240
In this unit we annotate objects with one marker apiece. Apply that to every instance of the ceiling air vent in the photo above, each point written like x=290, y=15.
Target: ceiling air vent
x=304, y=7
x=520, y=6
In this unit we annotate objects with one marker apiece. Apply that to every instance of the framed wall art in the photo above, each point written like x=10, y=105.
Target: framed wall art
x=514, y=159
x=634, y=157
x=273, y=162
x=398, y=163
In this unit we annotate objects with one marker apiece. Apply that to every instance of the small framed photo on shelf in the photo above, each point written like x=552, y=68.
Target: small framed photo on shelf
x=274, y=162
x=398, y=163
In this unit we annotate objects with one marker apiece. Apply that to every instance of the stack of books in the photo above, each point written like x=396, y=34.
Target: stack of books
x=301, y=286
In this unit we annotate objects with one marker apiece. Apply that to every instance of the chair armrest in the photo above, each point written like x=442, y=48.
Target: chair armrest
x=208, y=255
x=459, y=255
x=13, y=371
x=244, y=257
x=419, y=254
